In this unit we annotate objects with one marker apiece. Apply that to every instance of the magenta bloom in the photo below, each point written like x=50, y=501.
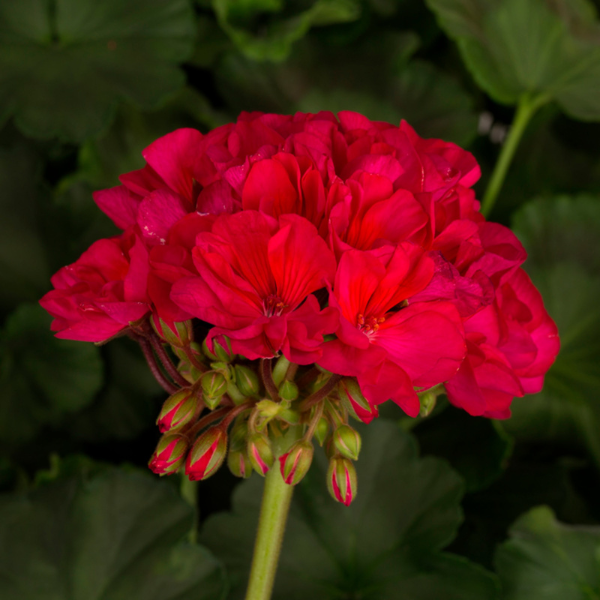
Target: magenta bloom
x=103, y=292
x=255, y=281
x=336, y=240
x=511, y=344
x=390, y=344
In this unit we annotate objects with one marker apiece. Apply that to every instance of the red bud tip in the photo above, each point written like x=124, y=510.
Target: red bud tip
x=177, y=411
x=239, y=463
x=296, y=462
x=355, y=402
x=260, y=453
x=207, y=454
x=341, y=480
x=169, y=455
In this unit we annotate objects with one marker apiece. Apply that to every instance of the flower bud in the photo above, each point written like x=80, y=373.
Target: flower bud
x=347, y=442
x=178, y=410
x=178, y=334
x=288, y=390
x=353, y=400
x=280, y=369
x=247, y=381
x=321, y=430
x=296, y=461
x=207, y=454
x=239, y=463
x=169, y=455
x=428, y=401
x=221, y=349
x=260, y=453
x=341, y=480
x=234, y=393
x=214, y=385
x=239, y=433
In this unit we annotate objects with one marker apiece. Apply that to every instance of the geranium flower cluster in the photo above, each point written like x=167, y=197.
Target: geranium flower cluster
x=332, y=264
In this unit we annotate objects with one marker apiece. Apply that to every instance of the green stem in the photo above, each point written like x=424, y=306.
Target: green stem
x=275, y=506
x=189, y=492
x=526, y=108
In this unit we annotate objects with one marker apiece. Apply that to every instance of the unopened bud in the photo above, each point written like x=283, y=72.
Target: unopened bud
x=260, y=453
x=289, y=415
x=288, y=390
x=239, y=434
x=221, y=349
x=267, y=409
x=341, y=480
x=207, y=454
x=169, y=455
x=177, y=411
x=214, y=385
x=347, y=442
x=178, y=334
x=321, y=430
x=247, y=381
x=295, y=463
x=239, y=463
x=428, y=401
x=354, y=401
x=280, y=369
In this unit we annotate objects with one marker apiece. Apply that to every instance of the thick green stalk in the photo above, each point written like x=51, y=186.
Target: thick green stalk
x=525, y=110
x=274, y=510
x=189, y=492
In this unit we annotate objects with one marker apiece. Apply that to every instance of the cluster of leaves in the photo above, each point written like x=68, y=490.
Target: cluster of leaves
x=84, y=87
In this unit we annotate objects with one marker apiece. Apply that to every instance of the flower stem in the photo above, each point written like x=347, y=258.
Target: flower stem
x=275, y=506
x=189, y=492
x=154, y=368
x=321, y=393
x=164, y=358
x=526, y=108
x=267, y=377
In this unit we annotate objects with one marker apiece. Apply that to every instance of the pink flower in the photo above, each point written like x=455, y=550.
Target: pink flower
x=255, y=281
x=511, y=345
x=101, y=293
x=389, y=343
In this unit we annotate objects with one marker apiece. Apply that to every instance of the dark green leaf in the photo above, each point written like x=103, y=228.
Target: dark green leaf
x=42, y=377
x=385, y=545
x=373, y=77
x=561, y=237
x=24, y=271
x=128, y=404
x=536, y=47
x=64, y=64
x=547, y=560
x=558, y=229
x=433, y=103
x=110, y=536
x=531, y=478
x=286, y=23
x=476, y=447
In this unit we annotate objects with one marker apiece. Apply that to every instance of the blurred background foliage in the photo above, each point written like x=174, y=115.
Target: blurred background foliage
x=84, y=87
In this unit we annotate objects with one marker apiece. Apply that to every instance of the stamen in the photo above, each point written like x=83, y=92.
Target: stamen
x=273, y=306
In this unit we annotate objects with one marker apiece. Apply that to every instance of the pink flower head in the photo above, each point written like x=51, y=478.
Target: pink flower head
x=255, y=281
x=101, y=293
x=389, y=343
x=511, y=345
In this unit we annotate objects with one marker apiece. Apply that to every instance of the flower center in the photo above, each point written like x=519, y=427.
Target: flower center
x=370, y=325
x=273, y=306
